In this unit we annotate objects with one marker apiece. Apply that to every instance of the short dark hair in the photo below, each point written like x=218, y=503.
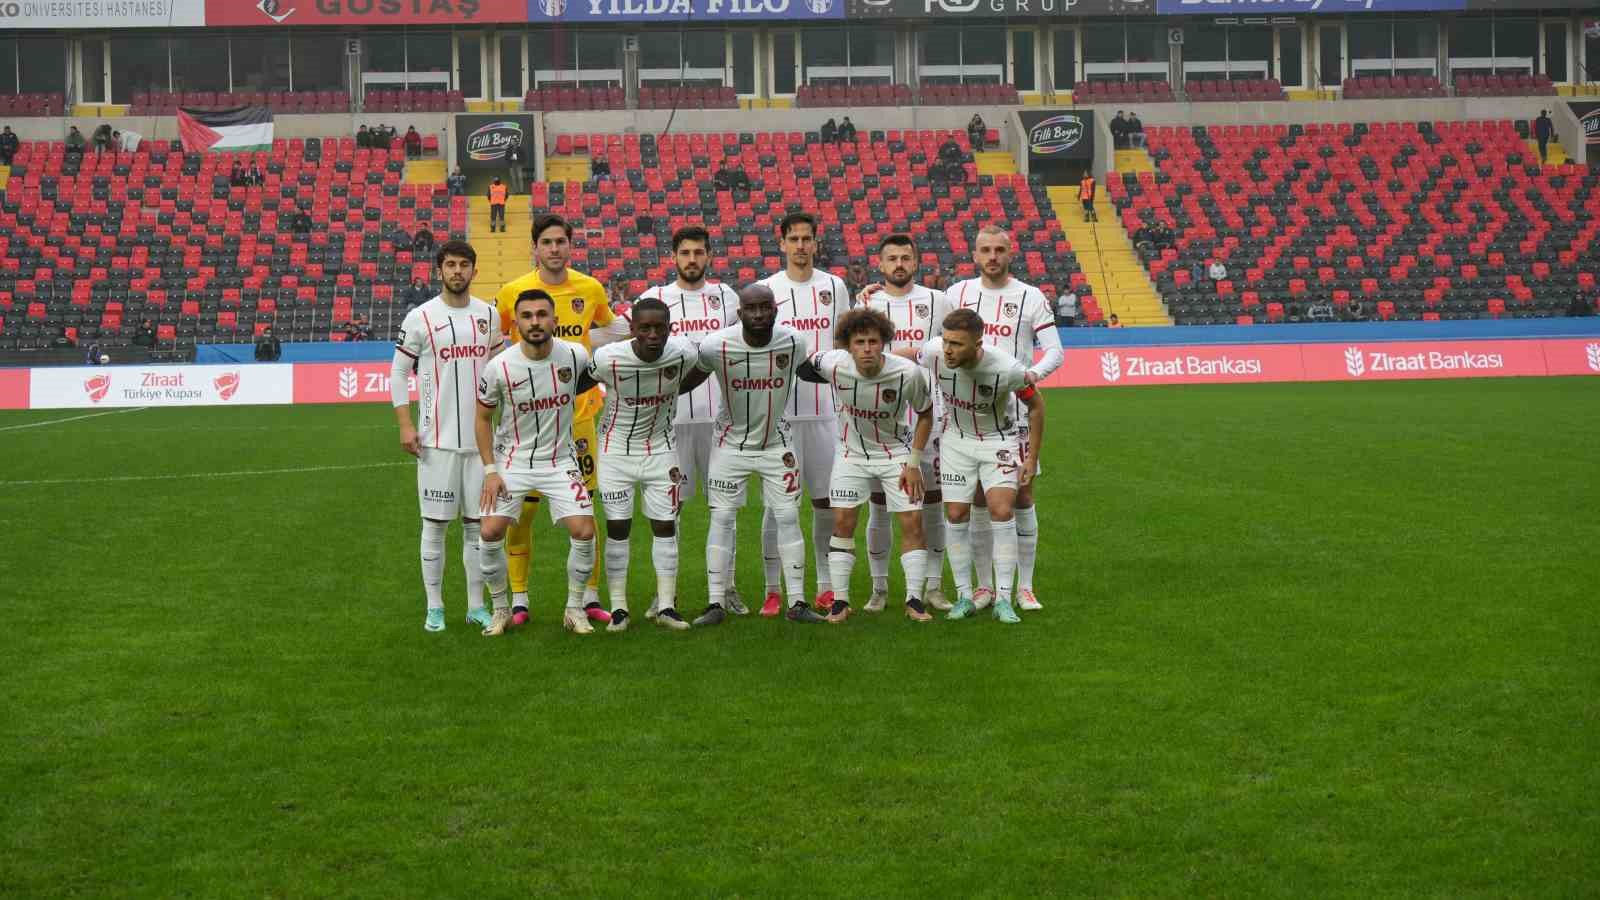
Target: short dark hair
x=796, y=218
x=533, y=295
x=455, y=247
x=964, y=320
x=863, y=319
x=899, y=240
x=651, y=304
x=545, y=221
x=691, y=233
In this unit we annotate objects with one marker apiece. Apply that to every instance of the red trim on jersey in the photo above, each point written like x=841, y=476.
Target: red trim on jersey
x=726, y=396
x=1028, y=393
x=516, y=430
x=1043, y=326
x=767, y=432
x=611, y=422
x=405, y=351
x=428, y=324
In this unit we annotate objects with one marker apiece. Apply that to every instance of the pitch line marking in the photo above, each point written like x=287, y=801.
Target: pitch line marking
x=244, y=473
x=96, y=415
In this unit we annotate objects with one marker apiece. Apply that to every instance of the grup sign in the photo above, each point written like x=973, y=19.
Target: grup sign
x=1012, y=9
x=482, y=140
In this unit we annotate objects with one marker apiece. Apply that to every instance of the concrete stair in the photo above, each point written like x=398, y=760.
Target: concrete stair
x=1134, y=161
x=995, y=162
x=5, y=176
x=1109, y=262
x=1556, y=155
x=425, y=171
x=502, y=256
x=566, y=168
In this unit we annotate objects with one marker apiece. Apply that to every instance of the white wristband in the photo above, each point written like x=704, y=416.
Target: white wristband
x=490, y=469
x=916, y=458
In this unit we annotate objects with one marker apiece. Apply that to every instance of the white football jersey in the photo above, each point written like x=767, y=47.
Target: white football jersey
x=977, y=403
x=757, y=384
x=450, y=347
x=916, y=316
x=810, y=308
x=874, y=411
x=695, y=315
x=641, y=397
x=1017, y=320
x=537, y=399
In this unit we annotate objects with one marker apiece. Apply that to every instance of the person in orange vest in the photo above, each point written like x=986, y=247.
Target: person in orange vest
x=497, y=204
x=1086, y=195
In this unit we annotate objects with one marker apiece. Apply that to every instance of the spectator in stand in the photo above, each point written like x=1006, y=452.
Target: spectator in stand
x=363, y=137
x=91, y=356
x=75, y=142
x=847, y=131
x=422, y=241
x=497, y=204
x=1086, y=197
x=146, y=335
x=1580, y=305
x=102, y=139
x=268, y=347
x=1216, y=271
x=830, y=132
x=977, y=132
x=1119, y=131
x=516, y=167
x=1542, y=128
x=257, y=177
x=116, y=143
x=413, y=143
x=1113, y=322
x=457, y=183
x=1354, y=312
x=855, y=277
x=1197, y=274
x=301, y=223
x=1135, y=130
x=600, y=168
x=8, y=146
x=1067, y=308
x=417, y=294
x=357, y=329
x=236, y=176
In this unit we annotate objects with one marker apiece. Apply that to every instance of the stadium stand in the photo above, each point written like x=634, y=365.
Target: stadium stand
x=1407, y=220
x=863, y=191
x=1385, y=87
x=31, y=105
x=1520, y=85
x=1122, y=92
x=1235, y=90
x=577, y=98
x=98, y=246
x=853, y=95
x=308, y=102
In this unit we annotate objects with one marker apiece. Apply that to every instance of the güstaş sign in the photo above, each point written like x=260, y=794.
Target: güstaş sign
x=358, y=12
x=684, y=10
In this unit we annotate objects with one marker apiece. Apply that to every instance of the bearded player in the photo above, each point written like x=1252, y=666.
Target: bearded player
x=583, y=316
x=810, y=301
x=698, y=308
x=447, y=340
x=914, y=311
x=1017, y=319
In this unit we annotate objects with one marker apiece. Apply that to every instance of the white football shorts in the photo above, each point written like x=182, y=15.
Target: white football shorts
x=449, y=482
x=816, y=441
x=778, y=469
x=562, y=490
x=656, y=478
x=856, y=478
x=964, y=464
x=694, y=442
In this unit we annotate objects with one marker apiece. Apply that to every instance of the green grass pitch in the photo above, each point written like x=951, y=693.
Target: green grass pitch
x=1299, y=640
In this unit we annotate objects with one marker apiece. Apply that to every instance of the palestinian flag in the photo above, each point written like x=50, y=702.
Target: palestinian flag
x=245, y=128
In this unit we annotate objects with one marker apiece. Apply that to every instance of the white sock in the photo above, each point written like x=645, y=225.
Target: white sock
x=821, y=530
x=519, y=599
x=841, y=559
x=733, y=558
x=664, y=553
x=470, y=539
x=617, y=572
x=982, y=547
x=492, y=559
x=913, y=562
x=1005, y=557
x=1027, y=519
x=771, y=562
x=580, y=562
x=792, y=550
x=433, y=562
x=933, y=534
x=718, y=539
x=880, y=535
x=958, y=546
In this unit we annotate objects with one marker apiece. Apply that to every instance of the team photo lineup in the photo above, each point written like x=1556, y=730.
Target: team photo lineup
x=919, y=404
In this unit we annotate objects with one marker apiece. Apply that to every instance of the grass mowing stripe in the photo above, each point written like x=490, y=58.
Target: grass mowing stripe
x=186, y=476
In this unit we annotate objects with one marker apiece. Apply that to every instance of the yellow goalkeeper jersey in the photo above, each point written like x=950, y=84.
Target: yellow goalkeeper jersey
x=580, y=305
